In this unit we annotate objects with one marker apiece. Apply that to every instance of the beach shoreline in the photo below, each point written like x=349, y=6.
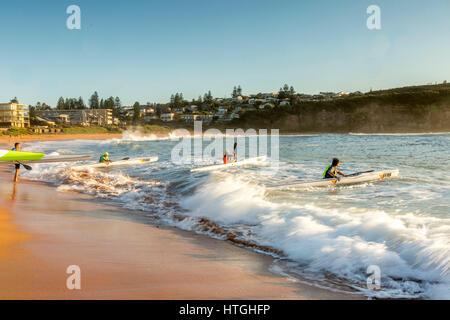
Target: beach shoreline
x=59, y=137
x=119, y=258
x=6, y=139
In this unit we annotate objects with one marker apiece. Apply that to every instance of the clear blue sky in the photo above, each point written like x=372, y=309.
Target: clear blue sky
x=147, y=50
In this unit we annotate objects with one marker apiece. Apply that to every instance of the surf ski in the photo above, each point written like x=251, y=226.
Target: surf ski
x=245, y=162
x=355, y=178
x=24, y=158
x=10, y=156
x=118, y=163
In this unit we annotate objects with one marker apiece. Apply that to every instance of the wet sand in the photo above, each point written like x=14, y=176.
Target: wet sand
x=43, y=231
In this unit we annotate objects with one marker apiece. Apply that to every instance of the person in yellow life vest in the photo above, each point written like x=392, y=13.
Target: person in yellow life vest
x=105, y=158
x=332, y=171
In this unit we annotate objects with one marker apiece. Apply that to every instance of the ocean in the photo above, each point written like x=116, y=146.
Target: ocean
x=327, y=237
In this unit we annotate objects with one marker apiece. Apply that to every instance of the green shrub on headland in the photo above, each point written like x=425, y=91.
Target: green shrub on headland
x=17, y=132
x=92, y=130
x=155, y=129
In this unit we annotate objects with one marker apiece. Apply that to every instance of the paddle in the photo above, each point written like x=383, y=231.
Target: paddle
x=358, y=173
x=127, y=158
x=26, y=166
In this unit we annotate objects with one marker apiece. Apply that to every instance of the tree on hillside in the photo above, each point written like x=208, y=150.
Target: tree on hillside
x=14, y=100
x=108, y=103
x=208, y=98
x=80, y=104
x=117, y=109
x=117, y=103
x=93, y=101
x=45, y=106
x=291, y=91
x=32, y=112
x=158, y=110
x=286, y=92
x=61, y=104
x=177, y=100
x=237, y=91
x=136, y=112
x=42, y=106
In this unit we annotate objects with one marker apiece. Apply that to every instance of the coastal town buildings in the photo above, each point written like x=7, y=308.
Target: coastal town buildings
x=84, y=117
x=13, y=115
x=217, y=109
x=197, y=117
x=166, y=117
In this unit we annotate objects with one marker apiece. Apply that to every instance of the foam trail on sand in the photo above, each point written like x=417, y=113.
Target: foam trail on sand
x=344, y=243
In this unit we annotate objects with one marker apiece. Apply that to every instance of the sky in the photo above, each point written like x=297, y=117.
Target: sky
x=147, y=50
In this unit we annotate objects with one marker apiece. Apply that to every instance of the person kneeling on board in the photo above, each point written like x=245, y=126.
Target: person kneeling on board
x=227, y=157
x=332, y=171
x=105, y=159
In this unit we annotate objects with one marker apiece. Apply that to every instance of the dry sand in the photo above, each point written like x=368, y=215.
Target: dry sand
x=58, y=136
x=43, y=231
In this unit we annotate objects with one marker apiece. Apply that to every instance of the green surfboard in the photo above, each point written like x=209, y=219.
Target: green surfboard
x=7, y=155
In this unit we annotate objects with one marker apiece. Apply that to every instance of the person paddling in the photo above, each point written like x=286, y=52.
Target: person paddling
x=16, y=148
x=235, y=152
x=227, y=157
x=105, y=158
x=332, y=171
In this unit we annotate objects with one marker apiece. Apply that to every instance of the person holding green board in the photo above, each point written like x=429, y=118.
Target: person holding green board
x=16, y=148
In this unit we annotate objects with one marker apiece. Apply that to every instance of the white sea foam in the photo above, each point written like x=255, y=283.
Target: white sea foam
x=343, y=242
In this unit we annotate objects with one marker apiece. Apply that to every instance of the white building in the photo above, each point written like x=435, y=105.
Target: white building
x=238, y=99
x=254, y=100
x=166, y=117
x=84, y=117
x=179, y=110
x=270, y=95
x=13, y=115
x=269, y=100
x=196, y=117
x=192, y=108
x=223, y=109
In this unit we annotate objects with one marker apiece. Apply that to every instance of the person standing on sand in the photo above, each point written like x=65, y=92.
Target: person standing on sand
x=16, y=148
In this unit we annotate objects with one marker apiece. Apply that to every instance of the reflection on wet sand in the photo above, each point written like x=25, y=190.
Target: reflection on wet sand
x=14, y=191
